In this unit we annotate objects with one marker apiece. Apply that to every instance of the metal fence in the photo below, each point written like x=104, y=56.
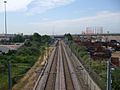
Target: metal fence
x=96, y=78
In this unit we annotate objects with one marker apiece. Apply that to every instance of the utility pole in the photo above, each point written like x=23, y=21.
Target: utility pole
x=109, y=74
x=5, y=17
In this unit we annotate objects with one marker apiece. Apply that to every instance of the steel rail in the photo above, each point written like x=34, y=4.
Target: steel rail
x=42, y=80
x=72, y=72
x=60, y=78
x=67, y=74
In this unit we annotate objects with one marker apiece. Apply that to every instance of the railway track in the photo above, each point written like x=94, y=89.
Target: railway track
x=74, y=77
x=52, y=74
x=41, y=83
x=60, y=77
x=68, y=78
x=59, y=74
x=79, y=70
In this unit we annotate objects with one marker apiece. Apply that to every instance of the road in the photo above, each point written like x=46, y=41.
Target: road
x=60, y=72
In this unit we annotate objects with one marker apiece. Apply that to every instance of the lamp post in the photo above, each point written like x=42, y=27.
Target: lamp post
x=5, y=17
x=9, y=64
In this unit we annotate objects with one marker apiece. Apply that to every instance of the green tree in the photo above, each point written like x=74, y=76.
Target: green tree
x=68, y=36
x=18, y=38
x=36, y=37
x=45, y=38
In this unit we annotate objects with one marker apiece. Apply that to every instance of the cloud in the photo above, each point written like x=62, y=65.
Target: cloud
x=98, y=18
x=108, y=20
x=40, y=6
x=15, y=5
x=33, y=6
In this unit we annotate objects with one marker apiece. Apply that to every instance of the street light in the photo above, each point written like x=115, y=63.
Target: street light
x=9, y=63
x=5, y=17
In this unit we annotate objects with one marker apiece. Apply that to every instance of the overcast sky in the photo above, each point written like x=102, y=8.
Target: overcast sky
x=60, y=16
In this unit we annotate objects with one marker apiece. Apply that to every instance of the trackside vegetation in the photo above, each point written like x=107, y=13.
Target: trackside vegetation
x=22, y=59
x=96, y=68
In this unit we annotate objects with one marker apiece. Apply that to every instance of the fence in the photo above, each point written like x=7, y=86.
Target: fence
x=95, y=77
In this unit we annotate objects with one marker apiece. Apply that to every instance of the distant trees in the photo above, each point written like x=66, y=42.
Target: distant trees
x=45, y=38
x=24, y=57
x=68, y=36
x=40, y=40
x=17, y=38
x=27, y=43
x=36, y=37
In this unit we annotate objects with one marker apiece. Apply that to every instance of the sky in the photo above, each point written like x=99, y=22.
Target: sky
x=60, y=16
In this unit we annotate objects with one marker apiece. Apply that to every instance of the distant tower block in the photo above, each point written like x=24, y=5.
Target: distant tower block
x=94, y=30
x=89, y=30
x=101, y=30
x=98, y=30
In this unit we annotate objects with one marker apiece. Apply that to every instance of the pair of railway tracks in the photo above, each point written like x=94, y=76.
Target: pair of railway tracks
x=58, y=73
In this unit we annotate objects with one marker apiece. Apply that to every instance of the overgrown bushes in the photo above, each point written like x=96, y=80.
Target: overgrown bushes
x=23, y=59
x=98, y=66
